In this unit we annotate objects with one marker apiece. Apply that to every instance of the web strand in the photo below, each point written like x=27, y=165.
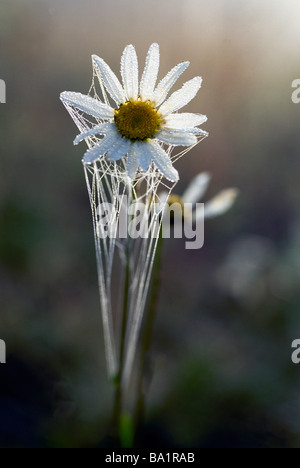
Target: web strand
x=108, y=184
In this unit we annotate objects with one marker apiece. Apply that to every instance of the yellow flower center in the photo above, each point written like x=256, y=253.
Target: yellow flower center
x=137, y=120
x=176, y=199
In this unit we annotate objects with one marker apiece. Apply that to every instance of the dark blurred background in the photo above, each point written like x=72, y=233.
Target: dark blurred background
x=229, y=312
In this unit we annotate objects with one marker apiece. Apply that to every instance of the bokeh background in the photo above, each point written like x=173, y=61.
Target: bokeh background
x=227, y=313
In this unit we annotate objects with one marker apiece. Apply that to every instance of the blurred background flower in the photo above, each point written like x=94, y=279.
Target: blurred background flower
x=229, y=312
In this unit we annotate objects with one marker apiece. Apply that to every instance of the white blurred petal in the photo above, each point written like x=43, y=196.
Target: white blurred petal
x=143, y=154
x=119, y=149
x=101, y=129
x=110, y=81
x=130, y=73
x=102, y=147
x=176, y=138
x=162, y=161
x=168, y=82
x=182, y=97
x=185, y=120
x=150, y=74
x=221, y=203
x=197, y=188
x=132, y=162
x=87, y=104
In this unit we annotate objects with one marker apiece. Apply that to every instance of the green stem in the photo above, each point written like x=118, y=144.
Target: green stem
x=121, y=421
x=125, y=427
x=118, y=403
x=145, y=360
x=125, y=312
x=117, y=409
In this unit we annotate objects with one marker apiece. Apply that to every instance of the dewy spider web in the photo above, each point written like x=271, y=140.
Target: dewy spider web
x=124, y=264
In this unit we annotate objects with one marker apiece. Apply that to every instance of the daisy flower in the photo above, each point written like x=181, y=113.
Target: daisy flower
x=143, y=125
x=217, y=206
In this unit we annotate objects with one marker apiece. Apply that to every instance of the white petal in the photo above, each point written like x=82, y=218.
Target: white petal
x=132, y=162
x=176, y=138
x=197, y=188
x=101, y=148
x=221, y=203
x=88, y=105
x=196, y=131
x=119, y=150
x=185, y=120
x=162, y=161
x=168, y=82
x=182, y=97
x=130, y=73
x=193, y=131
x=143, y=154
x=149, y=77
x=110, y=81
x=101, y=129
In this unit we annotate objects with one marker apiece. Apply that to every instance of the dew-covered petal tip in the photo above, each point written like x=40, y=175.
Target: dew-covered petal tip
x=87, y=104
x=111, y=82
x=182, y=97
x=176, y=138
x=150, y=73
x=168, y=82
x=130, y=72
x=185, y=120
x=162, y=161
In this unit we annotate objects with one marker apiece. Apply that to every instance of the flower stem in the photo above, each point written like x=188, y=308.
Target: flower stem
x=120, y=420
x=126, y=424
x=145, y=366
